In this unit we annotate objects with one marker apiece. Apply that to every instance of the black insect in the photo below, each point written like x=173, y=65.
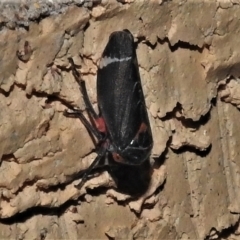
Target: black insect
x=122, y=125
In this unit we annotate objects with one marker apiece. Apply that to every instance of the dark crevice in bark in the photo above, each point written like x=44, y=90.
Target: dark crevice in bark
x=187, y=122
x=29, y=213
x=8, y=157
x=225, y=233
x=193, y=149
x=182, y=45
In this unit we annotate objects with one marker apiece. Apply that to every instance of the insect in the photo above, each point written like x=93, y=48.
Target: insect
x=122, y=126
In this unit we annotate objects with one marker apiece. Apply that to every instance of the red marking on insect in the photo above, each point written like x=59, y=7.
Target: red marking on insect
x=143, y=128
x=117, y=157
x=100, y=124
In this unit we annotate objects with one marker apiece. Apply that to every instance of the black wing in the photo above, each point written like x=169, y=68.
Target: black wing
x=120, y=97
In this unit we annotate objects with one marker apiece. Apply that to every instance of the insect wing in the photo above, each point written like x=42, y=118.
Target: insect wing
x=120, y=97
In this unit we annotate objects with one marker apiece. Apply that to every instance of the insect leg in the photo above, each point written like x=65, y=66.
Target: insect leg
x=83, y=90
x=101, y=153
x=78, y=114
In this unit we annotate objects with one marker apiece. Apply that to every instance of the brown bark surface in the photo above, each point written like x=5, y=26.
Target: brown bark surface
x=189, y=60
